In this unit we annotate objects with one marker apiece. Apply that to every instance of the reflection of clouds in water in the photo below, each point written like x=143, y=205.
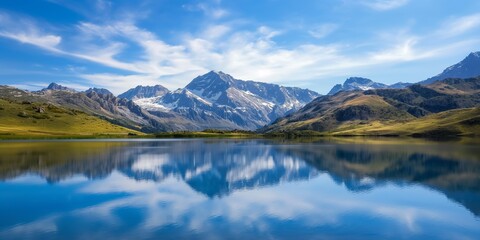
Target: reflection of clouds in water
x=252, y=168
x=217, y=172
x=189, y=174
x=289, y=201
x=28, y=179
x=165, y=203
x=317, y=202
x=74, y=180
x=151, y=162
x=45, y=225
x=200, y=189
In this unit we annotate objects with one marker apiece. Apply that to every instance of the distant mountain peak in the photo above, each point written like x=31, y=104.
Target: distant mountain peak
x=58, y=87
x=473, y=55
x=337, y=88
x=356, y=83
x=215, y=72
x=211, y=83
x=217, y=100
x=99, y=91
x=467, y=68
x=216, y=75
x=359, y=80
x=144, y=92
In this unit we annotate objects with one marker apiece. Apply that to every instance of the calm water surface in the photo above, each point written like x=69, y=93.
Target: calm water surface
x=239, y=189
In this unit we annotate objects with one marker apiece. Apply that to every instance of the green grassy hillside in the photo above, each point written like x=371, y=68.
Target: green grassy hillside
x=439, y=109
x=36, y=120
x=458, y=122
x=330, y=112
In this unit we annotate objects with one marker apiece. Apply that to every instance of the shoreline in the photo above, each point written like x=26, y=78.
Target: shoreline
x=233, y=135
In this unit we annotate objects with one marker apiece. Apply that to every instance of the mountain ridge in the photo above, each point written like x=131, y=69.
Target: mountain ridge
x=218, y=100
x=467, y=68
x=354, y=109
x=99, y=103
x=144, y=92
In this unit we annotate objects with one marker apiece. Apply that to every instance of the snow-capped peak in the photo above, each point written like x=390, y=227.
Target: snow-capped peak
x=217, y=100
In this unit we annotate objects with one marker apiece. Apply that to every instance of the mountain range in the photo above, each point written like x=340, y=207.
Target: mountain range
x=98, y=103
x=467, y=68
x=359, y=83
x=144, y=92
x=214, y=100
x=217, y=100
x=389, y=111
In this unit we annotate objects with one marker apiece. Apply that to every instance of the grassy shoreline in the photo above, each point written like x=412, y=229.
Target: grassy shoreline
x=229, y=135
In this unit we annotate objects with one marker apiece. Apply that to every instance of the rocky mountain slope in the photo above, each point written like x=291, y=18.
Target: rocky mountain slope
x=101, y=103
x=144, y=92
x=214, y=100
x=99, y=91
x=57, y=87
x=349, y=110
x=359, y=83
x=217, y=100
x=467, y=68
x=356, y=83
x=24, y=115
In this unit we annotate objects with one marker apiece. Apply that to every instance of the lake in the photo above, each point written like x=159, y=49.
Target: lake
x=240, y=189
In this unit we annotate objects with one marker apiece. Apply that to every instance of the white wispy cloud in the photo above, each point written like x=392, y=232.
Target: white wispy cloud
x=384, y=5
x=247, y=54
x=172, y=201
x=25, y=31
x=403, y=51
x=460, y=25
x=215, y=31
x=211, y=10
x=323, y=30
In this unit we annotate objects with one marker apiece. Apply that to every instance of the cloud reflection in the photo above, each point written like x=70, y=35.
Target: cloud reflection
x=231, y=189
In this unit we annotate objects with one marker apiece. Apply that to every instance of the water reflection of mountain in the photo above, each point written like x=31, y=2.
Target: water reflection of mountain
x=451, y=169
x=217, y=168
x=213, y=168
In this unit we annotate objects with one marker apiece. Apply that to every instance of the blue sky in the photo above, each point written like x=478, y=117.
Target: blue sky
x=306, y=43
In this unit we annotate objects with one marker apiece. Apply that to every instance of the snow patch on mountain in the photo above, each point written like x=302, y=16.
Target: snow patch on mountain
x=217, y=100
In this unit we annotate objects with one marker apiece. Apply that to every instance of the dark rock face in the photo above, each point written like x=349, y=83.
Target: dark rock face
x=354, y=113
x=39, y=109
